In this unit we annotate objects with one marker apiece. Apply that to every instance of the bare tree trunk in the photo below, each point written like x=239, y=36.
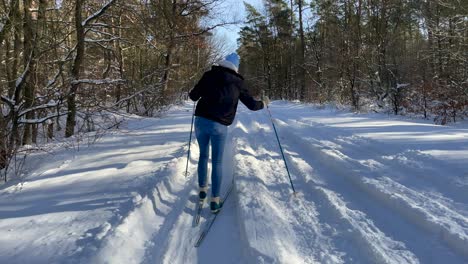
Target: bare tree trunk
x=9, y=139
x=76, y=70
x=50, y=130
x=120, y=60
x=167, y=63
x=302, y=60
x=171, y=19
x=8, y=23
x=15, y=57
x=30, y=52
x=3, y=142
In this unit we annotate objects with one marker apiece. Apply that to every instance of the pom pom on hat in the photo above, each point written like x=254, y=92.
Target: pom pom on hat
x=234, y=59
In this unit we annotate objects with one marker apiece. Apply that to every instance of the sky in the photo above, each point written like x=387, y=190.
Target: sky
x=233, y=9
x=230, y=10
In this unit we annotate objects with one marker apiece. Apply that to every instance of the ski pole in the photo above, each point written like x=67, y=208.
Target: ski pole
x=281, y=148
x=190, y=141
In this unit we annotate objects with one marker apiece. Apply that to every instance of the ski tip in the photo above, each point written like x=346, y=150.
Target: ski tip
x=200, y=239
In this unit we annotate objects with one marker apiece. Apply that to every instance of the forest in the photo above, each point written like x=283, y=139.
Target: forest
x=398, y=55
x=63, y=63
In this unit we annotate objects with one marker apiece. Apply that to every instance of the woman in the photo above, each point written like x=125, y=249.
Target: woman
x=219, y=91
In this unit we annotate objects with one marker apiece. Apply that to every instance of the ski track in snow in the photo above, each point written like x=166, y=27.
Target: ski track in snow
x=370, y=189
x=441, y=218
x=274, y=231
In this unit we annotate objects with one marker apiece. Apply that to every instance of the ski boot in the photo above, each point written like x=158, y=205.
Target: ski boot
x=216, y=205
x=202, y=193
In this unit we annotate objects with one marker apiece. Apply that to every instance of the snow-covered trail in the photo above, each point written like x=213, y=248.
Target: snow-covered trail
x=418, y=199
x=370, y=189
x=76, y=206
x=176, y=244
x=364, y=197
x=278, y=227
x=382, y=233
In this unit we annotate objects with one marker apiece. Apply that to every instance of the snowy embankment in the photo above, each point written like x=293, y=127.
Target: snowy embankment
x=370, y=189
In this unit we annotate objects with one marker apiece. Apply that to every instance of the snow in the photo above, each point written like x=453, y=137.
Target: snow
x=97, y=13
x=371, y=188
x=402, y=85
x=20, y=79
x=102, y=40
x=39, y=107
x=8, y=100
x=98, y=81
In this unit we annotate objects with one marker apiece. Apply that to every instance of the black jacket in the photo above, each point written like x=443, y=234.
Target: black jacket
x=220, y=90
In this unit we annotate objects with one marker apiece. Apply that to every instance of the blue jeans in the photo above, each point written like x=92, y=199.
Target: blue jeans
x=206, y=131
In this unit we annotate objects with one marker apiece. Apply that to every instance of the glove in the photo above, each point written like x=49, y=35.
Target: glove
x=265, y=100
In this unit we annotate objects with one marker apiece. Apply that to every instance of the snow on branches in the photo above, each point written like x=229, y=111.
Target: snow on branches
x=98, y=81
x=98, y=13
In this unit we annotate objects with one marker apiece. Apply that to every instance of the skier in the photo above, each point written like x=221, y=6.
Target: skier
x=220, y=90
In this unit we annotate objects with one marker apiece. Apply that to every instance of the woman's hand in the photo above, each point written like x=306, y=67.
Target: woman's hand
x=265, y=100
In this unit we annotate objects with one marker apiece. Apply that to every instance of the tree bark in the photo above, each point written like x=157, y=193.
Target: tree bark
x=3, y=143
x=171, y=20
x=8, y=23
x=31, y=38
x=302, y=59
x=76, y=70
x=14, y=59
x=120, y=60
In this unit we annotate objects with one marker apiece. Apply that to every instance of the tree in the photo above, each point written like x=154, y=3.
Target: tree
x=81, y=58
x=394, y=55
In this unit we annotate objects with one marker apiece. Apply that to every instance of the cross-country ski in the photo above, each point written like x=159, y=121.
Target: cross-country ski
x=198, y=211
x=209, y=222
